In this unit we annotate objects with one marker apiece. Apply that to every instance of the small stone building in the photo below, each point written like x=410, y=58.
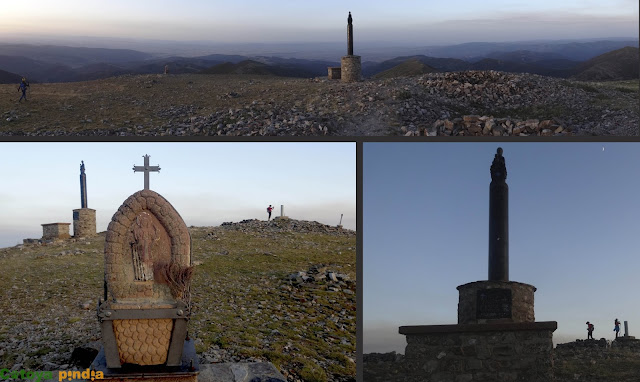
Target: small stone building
x=335, y=72
x=55, y=231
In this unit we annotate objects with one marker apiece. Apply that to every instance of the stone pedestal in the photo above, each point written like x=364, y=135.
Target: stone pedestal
x=84, y=222
x=479, y=352
x=350, y=69
x=495, y=301
x=334, y=72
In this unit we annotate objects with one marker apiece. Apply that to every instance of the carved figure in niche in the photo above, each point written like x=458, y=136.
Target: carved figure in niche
x=145, y=235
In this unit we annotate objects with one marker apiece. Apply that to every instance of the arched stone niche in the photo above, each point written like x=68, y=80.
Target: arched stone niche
x=144, y=234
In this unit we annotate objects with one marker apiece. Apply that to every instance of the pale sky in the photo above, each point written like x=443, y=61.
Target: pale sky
x=413, y=22
x=208, y=183
x=573, y=233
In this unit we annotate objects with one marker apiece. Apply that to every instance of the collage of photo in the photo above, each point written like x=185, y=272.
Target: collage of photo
x=320, y=192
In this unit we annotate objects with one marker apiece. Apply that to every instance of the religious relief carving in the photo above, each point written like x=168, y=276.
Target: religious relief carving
x=145, y=237
x=498, y=167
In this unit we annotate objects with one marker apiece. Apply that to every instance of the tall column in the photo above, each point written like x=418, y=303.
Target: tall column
x=498, y=220
x=350, y=35
x=83, y=187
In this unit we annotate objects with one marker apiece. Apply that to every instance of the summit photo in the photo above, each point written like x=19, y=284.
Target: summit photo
x=459, y=68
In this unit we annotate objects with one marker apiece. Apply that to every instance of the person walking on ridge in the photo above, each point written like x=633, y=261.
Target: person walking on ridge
x=616, y=327
x=24, y=84
x=269, y=209
x=590, y=329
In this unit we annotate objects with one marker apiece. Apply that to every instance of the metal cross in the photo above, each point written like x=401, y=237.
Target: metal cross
x=146, y=169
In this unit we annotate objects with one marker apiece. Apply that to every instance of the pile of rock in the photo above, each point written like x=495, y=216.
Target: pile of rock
x=589, y=344
x=286, y=225
x=498, y=89
x=322, y=274
x=475, y=125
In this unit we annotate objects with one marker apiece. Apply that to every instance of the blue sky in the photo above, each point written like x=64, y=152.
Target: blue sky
x=208, y=183
x=401, y=21
x=573, y=214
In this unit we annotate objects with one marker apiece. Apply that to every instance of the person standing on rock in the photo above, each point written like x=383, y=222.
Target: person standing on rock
x=269, y=209
x=590, y=329
x=616, y=327
x=24, y=84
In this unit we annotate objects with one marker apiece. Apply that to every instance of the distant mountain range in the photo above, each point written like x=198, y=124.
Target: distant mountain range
x=598, y=60
x=9, y=78
x=410, y=67
x=621, y=64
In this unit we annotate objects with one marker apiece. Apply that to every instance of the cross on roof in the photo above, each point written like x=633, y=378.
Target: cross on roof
x=146, y=169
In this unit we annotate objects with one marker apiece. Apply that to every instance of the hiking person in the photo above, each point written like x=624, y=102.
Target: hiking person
x=24, y=84
x=269, y=209
x=616, y=327
x=590, y=329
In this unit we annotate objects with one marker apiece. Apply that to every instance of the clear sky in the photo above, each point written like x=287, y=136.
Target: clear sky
x=399, y=21
x=208, y=183
x=574, y=223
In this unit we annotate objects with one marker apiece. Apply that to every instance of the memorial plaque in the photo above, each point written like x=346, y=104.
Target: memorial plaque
x=493, y=303
x=76, y=215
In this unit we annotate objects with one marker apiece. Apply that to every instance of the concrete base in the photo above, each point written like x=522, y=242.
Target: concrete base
x=479, y=352
x=186, y=372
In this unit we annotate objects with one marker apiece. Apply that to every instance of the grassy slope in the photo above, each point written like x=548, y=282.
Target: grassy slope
x=411, y=67
x=141, y=100
x=242, y=303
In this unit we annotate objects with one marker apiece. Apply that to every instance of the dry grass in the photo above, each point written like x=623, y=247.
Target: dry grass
x=140, y=100
x=241, y=304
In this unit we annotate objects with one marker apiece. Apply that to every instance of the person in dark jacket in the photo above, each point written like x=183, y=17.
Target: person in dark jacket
x=590, y=329
x=24, y=84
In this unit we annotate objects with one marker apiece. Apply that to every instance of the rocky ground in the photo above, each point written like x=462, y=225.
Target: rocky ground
x=456, y=103
x=581, y=360
x=280, y=291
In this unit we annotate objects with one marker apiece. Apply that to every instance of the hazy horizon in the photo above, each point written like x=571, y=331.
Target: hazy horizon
x=208, y=183
x=405, y=23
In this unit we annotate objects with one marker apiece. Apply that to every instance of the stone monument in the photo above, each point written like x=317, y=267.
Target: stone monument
x=55, y=231
x=350, y=64
x=143, y=318
x=84, y=218
x=496, y=337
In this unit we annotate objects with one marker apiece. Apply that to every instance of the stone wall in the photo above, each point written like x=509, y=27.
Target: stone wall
x=334, y=72
x=54, y=231
x=521, y=301
x=84, y=222
x=477, y=353
x=351, y=69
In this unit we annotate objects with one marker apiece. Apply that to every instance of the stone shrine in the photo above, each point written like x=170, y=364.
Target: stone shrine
x=143, y=317
x=496, y=337
x=84, y=218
